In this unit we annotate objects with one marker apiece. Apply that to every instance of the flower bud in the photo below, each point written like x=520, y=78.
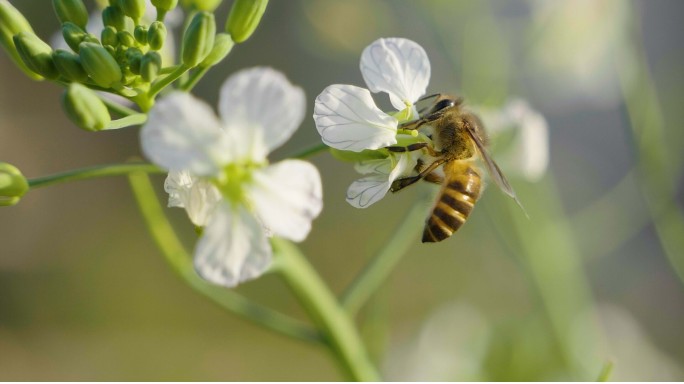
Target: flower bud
x=198, y=39
x=156, y=35
x=109, y=36
x=126, y=38
x=135, y=9
x=134, y=57
x=13, y=185
x=12, y=22
x=201, y=5
x=113, y=16
x=165, y=5
x=69, y=65
x=140, y=34
x=222, y=46
x=244, y=17
x=100, y=65
x=150, y=65
x=71, y=10
x=36, y=54
x=73, y=35
x=85, y=108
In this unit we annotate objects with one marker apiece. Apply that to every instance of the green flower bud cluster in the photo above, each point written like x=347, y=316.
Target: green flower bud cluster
x=13, y=185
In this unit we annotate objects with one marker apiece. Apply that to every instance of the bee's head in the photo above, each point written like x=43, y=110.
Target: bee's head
x=445, y=102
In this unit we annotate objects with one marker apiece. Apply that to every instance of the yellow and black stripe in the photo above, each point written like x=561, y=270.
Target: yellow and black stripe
x=456, y=200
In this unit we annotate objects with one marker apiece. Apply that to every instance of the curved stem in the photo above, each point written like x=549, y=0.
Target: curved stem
x=379, y=268
x=181, y=263
x=128, y=121
x=165, y=81
x=310, y=151
x=93, y=172
x=325, y=311
x=118, y=108
x=194, y=78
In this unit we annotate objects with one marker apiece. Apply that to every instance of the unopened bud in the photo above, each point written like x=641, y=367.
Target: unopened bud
x=85, y=108
x=73, y=35
x=135, y=9
x=113, y=16
x=244, y=17
x=165, y=5
x=222, y=47
x=198, y=39
x=69, y=65
x=150, y=65
x=13, y=185
x=140, y=34
x=134, y=57
x=71, y=10
x=126, y=39
x=109, y=36
x=156, y=35
x=201, y=5
x=100, y=65
x=36, y=54
x=12, y=22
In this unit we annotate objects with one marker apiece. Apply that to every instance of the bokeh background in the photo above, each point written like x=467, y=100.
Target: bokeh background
x=590, y=278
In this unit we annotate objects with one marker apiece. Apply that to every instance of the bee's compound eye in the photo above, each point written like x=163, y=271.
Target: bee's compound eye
x=442, y=104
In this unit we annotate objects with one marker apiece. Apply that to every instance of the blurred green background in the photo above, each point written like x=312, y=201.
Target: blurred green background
x=85, y=295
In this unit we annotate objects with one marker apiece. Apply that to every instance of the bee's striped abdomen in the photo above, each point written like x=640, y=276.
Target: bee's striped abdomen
x=457, y=198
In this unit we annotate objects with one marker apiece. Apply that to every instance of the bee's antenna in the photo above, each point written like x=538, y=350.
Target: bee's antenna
x=430, y=96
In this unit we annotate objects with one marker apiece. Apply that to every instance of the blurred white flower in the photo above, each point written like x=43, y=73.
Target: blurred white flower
x=348, y=119
x=575, y=46
x=220, y=174
x=520, y=137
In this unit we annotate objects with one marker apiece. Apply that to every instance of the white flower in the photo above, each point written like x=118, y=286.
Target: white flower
x=348, y=119
x=220, y=174
x=526, y=134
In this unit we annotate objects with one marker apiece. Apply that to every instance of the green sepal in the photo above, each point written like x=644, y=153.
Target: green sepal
x=36, y=54
x=109, y=36
x=73, y=35
x=244, y=18
x=165, y=5
x=156, y=35
x=140, y=34
x=115, y=17
x=13, y=185
x=100, y=65
x=198, y=39
x=73, y=11
x=69, y=66
x=366, y=154
x=13, y=22
x=150, y=65
x=223, y=44
x=85, y=108
x=135, y=9
x=126, y=39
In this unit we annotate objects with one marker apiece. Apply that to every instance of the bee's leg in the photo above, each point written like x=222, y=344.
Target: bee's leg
x=415, y=124
x=434, y=178
x=402, y=183
x=408, y=148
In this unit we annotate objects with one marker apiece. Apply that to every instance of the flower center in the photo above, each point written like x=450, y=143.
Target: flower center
x=236, y=176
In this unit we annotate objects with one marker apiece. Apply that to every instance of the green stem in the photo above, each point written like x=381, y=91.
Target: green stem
x=117, y=108
x=165, y=81
x=606, y=371
x=325, y=311
x=194, y=78
x=646, y=120
x=379, y=268
x=128, y=121
x=181, y=263
x=93, y=172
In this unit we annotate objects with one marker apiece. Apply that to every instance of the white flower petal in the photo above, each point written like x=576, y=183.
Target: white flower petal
x=233, y=247
x=197, y=195
x=183, y=133
x=262, y=102
x=367, y=191
x=287, y=196
x=397, y=66
x=346, y=118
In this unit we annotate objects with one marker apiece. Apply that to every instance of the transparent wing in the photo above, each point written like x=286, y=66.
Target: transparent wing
x=493, y=169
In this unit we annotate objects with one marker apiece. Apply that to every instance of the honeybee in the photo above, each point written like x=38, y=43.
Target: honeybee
x=459, y=140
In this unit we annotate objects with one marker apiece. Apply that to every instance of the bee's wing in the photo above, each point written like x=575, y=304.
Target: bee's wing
x=493, y=168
